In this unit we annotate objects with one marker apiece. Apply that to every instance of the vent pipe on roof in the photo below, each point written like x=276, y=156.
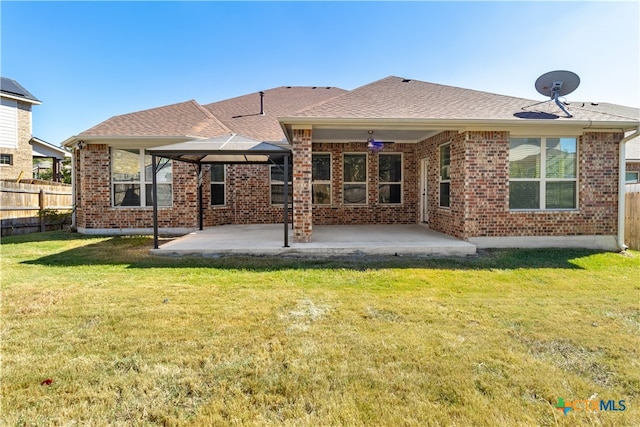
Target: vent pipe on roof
x=261, y=103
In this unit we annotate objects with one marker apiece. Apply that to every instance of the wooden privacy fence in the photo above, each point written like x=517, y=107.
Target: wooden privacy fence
x=632, y=220
x=28, y=207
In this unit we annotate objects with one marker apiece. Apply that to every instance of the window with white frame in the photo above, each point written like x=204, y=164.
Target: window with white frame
x=354, y=178
x=131, y=179
x=632, y=177
x=277, y=184
x=445, y=177
x=543, y=173
x=390, y=178
x=321, y=178
x=6, y=159
x=218, y=175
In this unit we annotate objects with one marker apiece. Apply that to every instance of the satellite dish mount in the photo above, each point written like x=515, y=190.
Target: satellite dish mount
x=555, y=84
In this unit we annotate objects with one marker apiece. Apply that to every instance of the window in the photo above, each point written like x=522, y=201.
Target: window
x=277, y=184
x=354, y=178
x=542, y=173
x=631, y=177
x=6, y=159
x=133, y=188
x=445, y=177
x=390, y=178
x=217, y=185
x=321, y=178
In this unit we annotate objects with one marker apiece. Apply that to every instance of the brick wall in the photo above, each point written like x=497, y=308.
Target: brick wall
x=479, y=191
x=446, y=220
x=486, y=183
x=487, y=191
x=373, y=212
x=22, y=155
x=94, y=208
x=247, y=197
x=303, y=216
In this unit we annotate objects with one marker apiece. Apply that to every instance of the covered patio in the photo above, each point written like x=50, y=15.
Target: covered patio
x=328, y=240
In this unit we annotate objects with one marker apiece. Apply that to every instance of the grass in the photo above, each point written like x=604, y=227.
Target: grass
x=131, y=339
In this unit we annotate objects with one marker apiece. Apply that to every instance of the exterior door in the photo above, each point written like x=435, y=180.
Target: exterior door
x=424, y=205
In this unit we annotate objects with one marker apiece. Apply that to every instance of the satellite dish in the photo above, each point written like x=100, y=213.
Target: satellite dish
x=555, y=84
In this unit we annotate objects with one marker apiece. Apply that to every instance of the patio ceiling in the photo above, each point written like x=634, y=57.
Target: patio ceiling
x=327, y=134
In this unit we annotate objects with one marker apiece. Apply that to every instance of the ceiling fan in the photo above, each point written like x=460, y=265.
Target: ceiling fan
x=374, y=145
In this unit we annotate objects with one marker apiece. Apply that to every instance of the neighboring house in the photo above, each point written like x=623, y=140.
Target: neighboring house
x=633, y=161
x=495, y=170
x=18, y=147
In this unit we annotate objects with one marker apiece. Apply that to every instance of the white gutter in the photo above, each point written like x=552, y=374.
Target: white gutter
x=418, y=124
x=621, y=187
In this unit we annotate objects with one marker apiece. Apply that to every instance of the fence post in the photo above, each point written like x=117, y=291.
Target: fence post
x=43, y=225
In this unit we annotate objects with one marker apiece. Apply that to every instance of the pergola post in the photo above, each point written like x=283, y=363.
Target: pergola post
x=286, y=201
x=200, y=208
x=154, y=192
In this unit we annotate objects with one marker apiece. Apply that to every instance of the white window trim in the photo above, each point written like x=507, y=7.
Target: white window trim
x=401, y=183
x=637, y=179
x=142, y=182
x=365, y=182
x=440, y=180
x=543, y=179
x=330, y=181
x=224, y=187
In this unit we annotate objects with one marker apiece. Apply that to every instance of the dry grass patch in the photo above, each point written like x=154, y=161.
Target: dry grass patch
x=129, y=339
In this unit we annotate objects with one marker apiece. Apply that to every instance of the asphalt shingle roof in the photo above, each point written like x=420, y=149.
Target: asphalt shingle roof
x=389, y=98
x=607, y=108
x=11, y=87
x=242, y=114
x=183, y=119
x=398, y=98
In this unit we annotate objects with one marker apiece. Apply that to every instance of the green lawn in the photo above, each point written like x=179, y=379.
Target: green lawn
x=495, y=340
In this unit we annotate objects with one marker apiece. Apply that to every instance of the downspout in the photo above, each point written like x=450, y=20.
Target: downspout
x=621, y=187
x=74, y=185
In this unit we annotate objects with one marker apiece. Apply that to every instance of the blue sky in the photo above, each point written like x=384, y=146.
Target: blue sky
x=88, y=61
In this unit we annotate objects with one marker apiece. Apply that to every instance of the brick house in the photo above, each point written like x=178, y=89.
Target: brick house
x=632, y=147
x=18, y=146
x=495, y=170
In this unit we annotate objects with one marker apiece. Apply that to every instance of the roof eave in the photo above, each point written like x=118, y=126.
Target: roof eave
x=74, y=140
x=20, y=98
x=289, y=123
x=49, y=147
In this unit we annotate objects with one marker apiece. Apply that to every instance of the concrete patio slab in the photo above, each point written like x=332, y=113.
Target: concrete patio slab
x=327, y=240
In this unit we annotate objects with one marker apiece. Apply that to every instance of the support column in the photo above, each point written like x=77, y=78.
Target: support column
x=154, y=192
x=302, y=210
